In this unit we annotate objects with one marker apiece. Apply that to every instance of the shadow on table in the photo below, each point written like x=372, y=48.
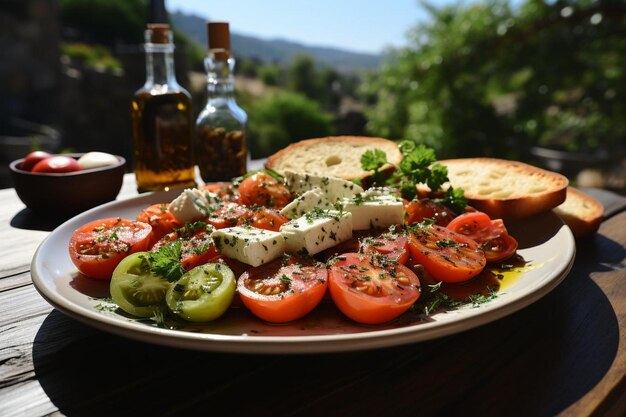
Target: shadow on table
x=545, y=227
x=537, y=362
x=30, y=220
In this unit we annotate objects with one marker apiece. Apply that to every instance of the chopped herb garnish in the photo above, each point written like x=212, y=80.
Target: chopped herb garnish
x=166, y=261
x=447, y=243
x=418, y=165
x=434, y=300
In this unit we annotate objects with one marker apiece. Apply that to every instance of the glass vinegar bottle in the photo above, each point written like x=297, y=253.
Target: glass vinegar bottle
x=162, y=120
x=220, y=143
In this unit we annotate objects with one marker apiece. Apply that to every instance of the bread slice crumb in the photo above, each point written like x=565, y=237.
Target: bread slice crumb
x=581, y=212
x=506, y=189
x=337, y=156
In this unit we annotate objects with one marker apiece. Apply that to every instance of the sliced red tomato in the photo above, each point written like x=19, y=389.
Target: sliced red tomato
x=491, y=235
x=477, y=226
x=262, y=189
x=372, y=289
x=416, y=211
x=196, y=244
x=226, y=190
x=99, y=246
x=162, y=221
x=391, y=244
x=268, y=219
x=446, y=255
x=230, y=214
x=500, y=248
x=350, y=245
x=423, y=275
x=283, y=290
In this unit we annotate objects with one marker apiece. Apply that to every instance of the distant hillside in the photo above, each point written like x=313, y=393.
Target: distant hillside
x=276, y=50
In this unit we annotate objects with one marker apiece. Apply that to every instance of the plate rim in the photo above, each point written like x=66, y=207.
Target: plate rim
x=297, y=344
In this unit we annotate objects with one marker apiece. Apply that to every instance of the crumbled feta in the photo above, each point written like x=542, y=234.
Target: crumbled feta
x=193, y=204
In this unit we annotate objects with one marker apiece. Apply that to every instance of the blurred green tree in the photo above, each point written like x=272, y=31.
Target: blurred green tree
x=92, y=55
x=303, y=77
x=491, y=79
x=277, y=120
x=270, y=74
x=107, y=22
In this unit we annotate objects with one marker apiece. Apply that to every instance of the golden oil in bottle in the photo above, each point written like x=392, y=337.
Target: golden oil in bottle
x=162, y=120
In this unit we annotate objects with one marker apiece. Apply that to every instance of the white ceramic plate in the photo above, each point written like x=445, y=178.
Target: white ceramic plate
x=545, y=243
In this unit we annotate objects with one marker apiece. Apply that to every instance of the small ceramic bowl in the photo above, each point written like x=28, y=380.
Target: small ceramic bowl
x=67, y=193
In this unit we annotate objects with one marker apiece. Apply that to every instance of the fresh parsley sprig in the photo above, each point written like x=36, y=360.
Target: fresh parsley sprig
x=165, y=262
x=454, y=199
x=418, y=165
x=374, y=160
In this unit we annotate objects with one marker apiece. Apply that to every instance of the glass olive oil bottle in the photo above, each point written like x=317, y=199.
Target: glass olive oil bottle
x=220, y=143
x=162, y=120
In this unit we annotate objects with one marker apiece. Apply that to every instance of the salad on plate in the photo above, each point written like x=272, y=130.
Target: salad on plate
x=279, y=245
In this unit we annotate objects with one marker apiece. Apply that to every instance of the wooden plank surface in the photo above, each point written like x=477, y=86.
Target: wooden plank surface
x=565, y=354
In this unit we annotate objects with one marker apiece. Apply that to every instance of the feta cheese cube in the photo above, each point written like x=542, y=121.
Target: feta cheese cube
x=249, y=245
x=308, y=201
x=317, y=231
x=334, y=188
x=374, y=211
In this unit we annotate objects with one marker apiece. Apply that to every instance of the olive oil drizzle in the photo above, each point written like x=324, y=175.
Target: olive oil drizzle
x=438, y=297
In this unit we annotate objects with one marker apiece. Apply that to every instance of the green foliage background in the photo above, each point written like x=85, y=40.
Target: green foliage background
x=476, y=78
x=489, y=79
x=107, y=22
x=278, y=119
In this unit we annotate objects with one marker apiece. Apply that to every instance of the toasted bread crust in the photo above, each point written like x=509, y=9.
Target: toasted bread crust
x=501, y=188
x=581, y=212
x=506, y=189
x=334, y=155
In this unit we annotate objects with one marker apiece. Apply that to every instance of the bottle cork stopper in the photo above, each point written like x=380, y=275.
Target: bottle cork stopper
x=219, y=39
x=159, y=33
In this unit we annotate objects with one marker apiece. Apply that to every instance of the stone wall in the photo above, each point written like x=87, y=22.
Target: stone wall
x=29, y=60
x=88, y=107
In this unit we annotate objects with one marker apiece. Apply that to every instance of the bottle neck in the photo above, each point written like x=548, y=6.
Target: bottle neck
x=160, y=65
x=220, y=80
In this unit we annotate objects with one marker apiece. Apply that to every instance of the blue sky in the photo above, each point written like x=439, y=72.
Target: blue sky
x=358, y=25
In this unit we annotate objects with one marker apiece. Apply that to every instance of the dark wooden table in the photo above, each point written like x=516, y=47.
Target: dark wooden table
x=565, y=354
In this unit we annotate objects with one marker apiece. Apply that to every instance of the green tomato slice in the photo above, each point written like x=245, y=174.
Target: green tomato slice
x=135, y=289
x=202, y=294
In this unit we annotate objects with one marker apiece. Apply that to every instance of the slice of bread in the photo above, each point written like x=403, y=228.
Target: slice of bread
x=581, y=212
x=338, y=156
x=506, y=189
